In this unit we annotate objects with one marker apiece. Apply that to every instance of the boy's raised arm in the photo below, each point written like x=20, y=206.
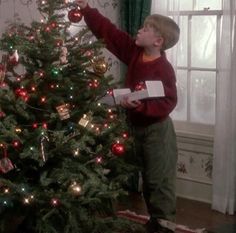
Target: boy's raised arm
x=117, y=42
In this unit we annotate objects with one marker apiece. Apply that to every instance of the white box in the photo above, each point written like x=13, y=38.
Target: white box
x=153, y=89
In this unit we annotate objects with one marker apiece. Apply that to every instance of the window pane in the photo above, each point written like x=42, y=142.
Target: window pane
x=182, y=45
x=202, y=99
x=182, y=5
x=203, y=52
x=188, y=5
x=211, y=4
x=180, y=111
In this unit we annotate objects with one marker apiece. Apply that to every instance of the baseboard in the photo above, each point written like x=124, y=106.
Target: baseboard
x=194, y=190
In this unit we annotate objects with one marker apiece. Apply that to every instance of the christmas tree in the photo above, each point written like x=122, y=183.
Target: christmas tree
x=63, y=160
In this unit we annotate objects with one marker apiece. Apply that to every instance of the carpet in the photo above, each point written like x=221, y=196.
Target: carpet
x=142, y=219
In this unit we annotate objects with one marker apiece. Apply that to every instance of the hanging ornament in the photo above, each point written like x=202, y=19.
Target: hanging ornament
x=55, y=71
x=13, y=59
x=100, y=66
x=64, y=111
x=75, y=189
x=85, y=120
x=5, y=163
x=63, y=55
x=42, y=144
x=118, y=148
x=75, y=15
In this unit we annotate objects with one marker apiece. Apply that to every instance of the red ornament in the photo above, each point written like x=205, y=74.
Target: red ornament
x=140, y=86
x=6, y=165
x=22, y=93
x=74, y=15
x=118, y=148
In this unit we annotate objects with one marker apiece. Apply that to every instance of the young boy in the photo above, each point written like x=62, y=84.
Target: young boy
x=152, y=128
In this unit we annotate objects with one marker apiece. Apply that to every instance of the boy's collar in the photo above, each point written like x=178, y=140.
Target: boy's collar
x=148, y=58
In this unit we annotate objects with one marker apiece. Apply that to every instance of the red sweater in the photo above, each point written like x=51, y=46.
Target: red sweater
x=123, y=46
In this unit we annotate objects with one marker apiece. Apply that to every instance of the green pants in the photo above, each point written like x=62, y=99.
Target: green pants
x=156, y=154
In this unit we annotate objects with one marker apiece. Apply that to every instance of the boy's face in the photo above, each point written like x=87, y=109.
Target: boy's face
x=148, y=37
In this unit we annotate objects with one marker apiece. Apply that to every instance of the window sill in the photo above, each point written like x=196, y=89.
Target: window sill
x=193, y=130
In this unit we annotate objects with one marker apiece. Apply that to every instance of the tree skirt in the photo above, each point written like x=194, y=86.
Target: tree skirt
x=142, y=219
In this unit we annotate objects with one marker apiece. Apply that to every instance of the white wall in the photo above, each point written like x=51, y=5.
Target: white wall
x=194, y=166
x=15, y=11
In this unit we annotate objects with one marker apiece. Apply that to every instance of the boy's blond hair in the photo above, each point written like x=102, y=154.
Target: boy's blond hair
x=166, y=27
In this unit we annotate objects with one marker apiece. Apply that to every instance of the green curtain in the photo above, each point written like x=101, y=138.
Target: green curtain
x=133, y=13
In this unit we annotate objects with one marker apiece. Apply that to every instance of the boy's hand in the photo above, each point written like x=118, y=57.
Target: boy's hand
x=127, y=103
x=81, y=3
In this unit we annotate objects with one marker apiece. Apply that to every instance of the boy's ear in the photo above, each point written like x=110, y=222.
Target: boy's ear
x=159, y=41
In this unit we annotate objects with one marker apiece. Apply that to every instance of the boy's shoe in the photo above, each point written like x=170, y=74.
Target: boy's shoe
x=153, y=226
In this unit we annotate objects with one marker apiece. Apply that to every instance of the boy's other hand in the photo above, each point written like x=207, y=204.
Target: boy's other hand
x=127, y=103
x=82, y=3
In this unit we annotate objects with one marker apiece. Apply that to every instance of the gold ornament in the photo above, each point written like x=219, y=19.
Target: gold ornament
x=75, y=189
x=100, y=66
x=85, y=120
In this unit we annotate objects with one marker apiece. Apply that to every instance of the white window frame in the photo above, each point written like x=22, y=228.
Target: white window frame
x=187, y=126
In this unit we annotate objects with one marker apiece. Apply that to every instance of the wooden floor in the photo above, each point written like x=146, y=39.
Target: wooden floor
x=190, y=213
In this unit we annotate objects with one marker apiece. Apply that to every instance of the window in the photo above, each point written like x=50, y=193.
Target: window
x=196, y=61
